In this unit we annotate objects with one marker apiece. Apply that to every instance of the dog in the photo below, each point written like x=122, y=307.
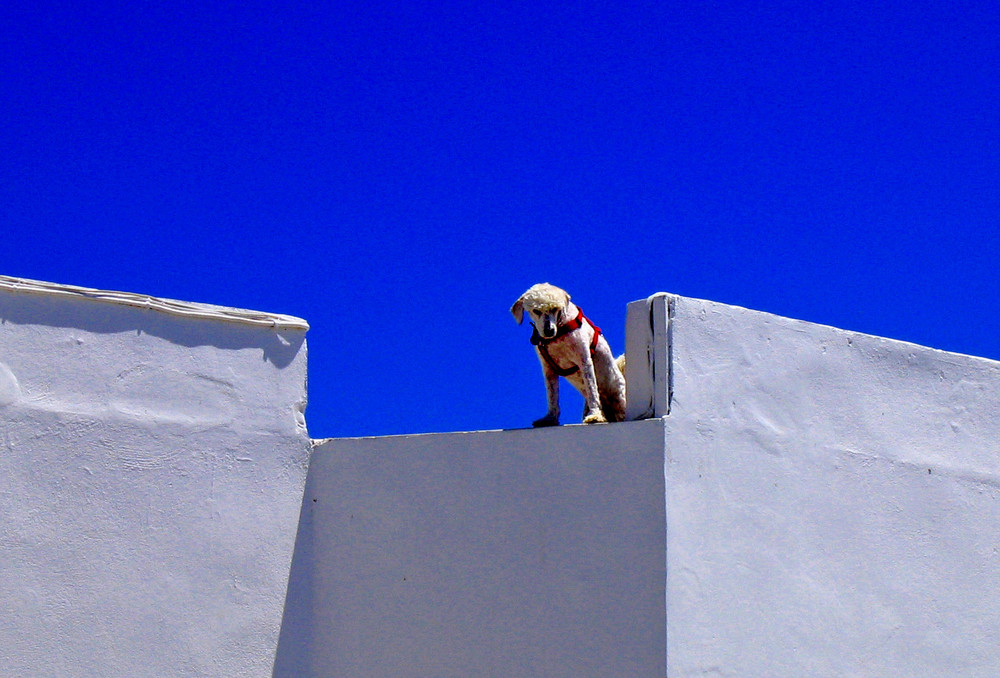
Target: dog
x=570, y=346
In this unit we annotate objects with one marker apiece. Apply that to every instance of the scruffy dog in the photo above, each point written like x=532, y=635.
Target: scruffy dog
x=571, y=346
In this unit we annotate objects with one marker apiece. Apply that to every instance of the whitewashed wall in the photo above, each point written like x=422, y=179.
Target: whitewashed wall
x=833, y=502
x=152, y=461
x=807, y=502
x=500, y=553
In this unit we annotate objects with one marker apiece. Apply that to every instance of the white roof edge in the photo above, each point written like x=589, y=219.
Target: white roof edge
x=170, y=306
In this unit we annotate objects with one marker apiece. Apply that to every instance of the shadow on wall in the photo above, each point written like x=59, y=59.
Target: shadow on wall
x=295, y=639
x=277, y=346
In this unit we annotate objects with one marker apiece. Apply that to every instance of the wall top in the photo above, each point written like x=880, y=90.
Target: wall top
x=169, y=306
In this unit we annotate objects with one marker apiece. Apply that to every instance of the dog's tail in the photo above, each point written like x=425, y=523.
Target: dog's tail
x=620, y=362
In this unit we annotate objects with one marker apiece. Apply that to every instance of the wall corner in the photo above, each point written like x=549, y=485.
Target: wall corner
x=648, y=366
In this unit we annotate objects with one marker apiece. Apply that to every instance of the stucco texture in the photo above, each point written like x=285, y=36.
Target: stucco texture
x=151, y=474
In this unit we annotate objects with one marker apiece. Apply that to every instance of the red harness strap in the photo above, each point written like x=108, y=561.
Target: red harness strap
x=571, y=326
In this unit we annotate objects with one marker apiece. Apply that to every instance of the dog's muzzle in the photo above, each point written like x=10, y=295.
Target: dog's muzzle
x=549, y=330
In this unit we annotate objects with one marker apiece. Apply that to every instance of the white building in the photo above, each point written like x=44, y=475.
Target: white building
x=802, y=501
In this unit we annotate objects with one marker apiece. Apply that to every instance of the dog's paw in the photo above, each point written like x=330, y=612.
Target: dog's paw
x=547, y=420
x=595, y=418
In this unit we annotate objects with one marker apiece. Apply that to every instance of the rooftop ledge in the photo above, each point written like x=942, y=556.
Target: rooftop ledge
x=836, y=491
x=169, y=306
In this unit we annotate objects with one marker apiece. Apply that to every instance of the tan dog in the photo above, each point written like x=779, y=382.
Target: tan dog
x=571, y=346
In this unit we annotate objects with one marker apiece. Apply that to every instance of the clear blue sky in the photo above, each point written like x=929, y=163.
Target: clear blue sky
x=398, y=173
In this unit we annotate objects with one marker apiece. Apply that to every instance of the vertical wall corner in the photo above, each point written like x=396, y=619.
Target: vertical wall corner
x=647, y=345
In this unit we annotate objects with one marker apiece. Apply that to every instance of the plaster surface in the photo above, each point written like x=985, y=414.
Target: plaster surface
x=151, y=474
x=833, y=502
x=800, y=501
x=501, y=553
x=804, y=501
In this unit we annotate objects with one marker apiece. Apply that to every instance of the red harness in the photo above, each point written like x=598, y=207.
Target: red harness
x=572, y=326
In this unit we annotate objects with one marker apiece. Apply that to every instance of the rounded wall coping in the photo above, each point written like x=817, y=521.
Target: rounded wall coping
x=170, y=306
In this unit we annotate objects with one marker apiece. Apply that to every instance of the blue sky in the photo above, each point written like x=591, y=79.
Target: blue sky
x=398, y=173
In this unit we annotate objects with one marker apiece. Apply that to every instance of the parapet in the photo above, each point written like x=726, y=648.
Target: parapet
x=799, y=501
x=152, y=461
x=789, y=499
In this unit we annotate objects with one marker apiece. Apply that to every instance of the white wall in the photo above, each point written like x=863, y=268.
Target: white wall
x=152, y=461
x=833, y=502
x=501, y=553
x=808, y=502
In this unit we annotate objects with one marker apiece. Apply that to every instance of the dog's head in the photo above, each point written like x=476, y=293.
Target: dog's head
x=547, y=307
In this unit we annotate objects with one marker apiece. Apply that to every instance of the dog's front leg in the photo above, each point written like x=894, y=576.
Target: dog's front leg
x=551, y=417
x=593, y=413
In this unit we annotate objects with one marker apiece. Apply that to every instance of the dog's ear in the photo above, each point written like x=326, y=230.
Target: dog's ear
x=517, y=310
x=564, y=297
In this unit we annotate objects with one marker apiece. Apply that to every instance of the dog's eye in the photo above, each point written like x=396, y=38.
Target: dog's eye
x=536, y=313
